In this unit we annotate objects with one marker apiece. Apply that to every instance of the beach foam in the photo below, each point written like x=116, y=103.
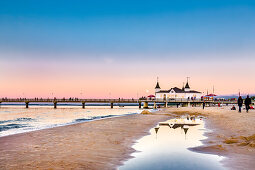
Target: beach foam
x=14, y=120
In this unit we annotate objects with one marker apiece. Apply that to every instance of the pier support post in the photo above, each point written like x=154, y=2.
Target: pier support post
x=111, y=105
x=140, y=105
x=27, y=104
x=155, y=105
x=83, y=105
x=55, y=105
x=145, y=105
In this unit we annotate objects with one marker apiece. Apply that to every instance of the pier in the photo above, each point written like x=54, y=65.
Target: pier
x=145, y=103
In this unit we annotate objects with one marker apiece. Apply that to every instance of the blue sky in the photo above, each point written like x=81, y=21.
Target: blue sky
x=144, y=28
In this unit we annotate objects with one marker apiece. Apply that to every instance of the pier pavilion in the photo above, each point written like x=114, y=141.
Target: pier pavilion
x=176, y=93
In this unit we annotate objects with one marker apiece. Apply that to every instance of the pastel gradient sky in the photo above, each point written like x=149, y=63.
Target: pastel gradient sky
x=113, y=48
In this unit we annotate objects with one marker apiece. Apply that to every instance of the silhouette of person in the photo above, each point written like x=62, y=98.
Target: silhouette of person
x=247, y=103
x=240, y=103
x=203, y=105
x=233, y=108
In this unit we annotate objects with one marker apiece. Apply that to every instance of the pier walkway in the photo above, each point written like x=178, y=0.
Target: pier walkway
x=140, y=102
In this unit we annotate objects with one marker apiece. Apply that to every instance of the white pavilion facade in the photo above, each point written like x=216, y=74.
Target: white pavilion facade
x=177, y=93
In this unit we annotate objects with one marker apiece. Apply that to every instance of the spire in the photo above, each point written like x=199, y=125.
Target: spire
x=157, y=85
x=187, y=88
x=183, y=86
x=187, y=84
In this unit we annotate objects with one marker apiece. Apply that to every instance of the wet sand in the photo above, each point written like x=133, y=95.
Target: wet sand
x=232, y=135
x=101, y=144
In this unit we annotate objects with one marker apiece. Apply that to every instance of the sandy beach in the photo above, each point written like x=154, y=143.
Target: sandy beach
x=232, y=134
x=101, y=144
x=107, y=143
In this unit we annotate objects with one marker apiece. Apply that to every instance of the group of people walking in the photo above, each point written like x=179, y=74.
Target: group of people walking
x=247, y=103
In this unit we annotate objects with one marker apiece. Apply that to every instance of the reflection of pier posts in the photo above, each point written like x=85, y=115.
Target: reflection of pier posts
x=83, y=105
x=55, y=104
x=111, y=105
x=140, y=105
x=145, y=105
x=27, y=104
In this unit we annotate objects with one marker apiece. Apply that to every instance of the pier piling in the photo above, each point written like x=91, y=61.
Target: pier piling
x=166, y=104
x=27, y=104
x=140, y=105
x=111, y=105
x=145, y=105
x=83, y=105
x=155, y=105
x=55, y=105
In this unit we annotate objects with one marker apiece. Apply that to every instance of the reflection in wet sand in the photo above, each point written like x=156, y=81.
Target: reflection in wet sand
x=183, y=123
x=167, y=147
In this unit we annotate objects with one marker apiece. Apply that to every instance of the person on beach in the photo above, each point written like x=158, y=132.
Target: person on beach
x=240, y=103
x=247, y=103
x=203, y=105
x=234, y=108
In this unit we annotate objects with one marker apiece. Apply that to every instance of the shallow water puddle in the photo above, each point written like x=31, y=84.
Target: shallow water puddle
x=168, y=149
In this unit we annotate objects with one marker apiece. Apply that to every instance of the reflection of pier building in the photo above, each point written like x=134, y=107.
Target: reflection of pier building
x=177, y=93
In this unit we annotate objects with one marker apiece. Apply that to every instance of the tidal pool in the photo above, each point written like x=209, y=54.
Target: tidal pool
x=168, y=149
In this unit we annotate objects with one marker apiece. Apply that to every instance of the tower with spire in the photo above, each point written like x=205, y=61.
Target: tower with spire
x=187, y=88
x=183, y=86
x=157, y=88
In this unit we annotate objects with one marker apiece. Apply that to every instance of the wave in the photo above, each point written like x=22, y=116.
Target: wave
x=11, y=126
x=93, y=118
x=24, y=125
x=22, y=119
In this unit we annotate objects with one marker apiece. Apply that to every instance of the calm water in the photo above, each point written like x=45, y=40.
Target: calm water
x=17, y=119
x=168, y=149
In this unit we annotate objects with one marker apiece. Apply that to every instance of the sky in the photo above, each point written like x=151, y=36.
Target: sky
x=112, y=48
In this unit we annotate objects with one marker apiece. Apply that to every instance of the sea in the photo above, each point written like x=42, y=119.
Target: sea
x=15, y=118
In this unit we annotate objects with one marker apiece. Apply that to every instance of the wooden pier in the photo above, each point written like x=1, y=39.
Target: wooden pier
x=140, y=102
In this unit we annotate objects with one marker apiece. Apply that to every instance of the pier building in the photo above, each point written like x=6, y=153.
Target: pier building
x=177, y=93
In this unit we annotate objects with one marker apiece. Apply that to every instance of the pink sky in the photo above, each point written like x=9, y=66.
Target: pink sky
x=108, y=78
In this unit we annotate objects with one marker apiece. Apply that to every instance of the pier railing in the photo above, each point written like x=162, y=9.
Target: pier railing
x=120, y=100
x=69, y=100
x=145, y=101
